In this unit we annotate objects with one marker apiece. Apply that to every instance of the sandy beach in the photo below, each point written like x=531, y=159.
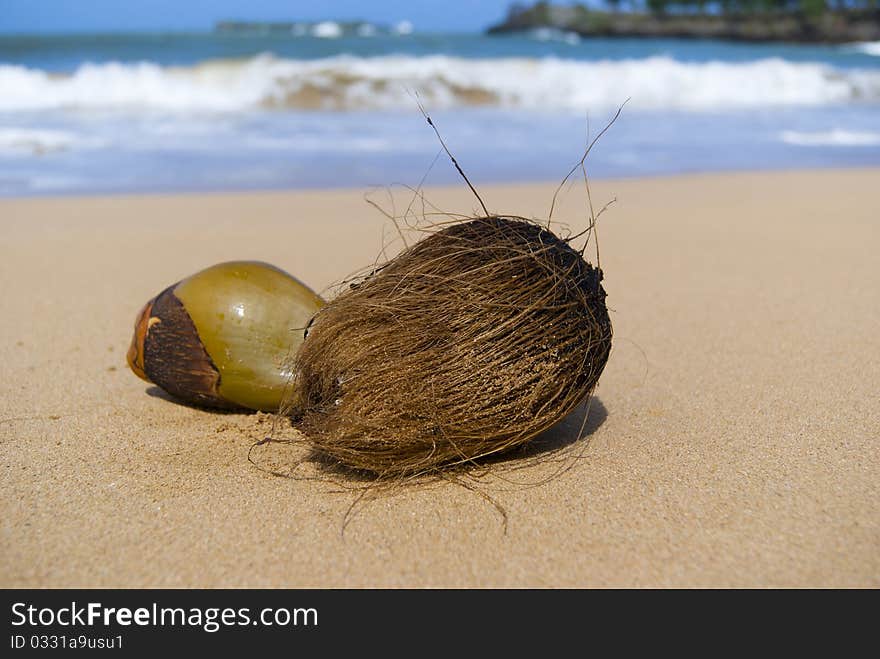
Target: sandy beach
x=733, y=440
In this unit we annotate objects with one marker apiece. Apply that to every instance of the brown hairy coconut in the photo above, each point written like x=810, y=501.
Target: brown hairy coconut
x=467, y=344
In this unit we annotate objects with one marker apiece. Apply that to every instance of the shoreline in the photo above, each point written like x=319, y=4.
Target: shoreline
x=351, y=189
x=732, y=441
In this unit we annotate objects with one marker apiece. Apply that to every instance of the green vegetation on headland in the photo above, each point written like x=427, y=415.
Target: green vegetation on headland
x=797, y=21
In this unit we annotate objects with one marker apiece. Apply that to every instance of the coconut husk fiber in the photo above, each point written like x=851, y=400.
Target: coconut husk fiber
x=468, y=343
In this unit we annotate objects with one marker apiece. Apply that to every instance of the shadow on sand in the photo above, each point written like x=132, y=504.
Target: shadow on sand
x=157, y=392
x=582, y=422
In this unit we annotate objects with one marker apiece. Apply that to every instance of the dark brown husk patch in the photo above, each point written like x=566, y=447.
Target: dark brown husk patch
x=467, y=344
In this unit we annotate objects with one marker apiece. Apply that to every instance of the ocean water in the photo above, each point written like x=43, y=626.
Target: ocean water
x=82, y=114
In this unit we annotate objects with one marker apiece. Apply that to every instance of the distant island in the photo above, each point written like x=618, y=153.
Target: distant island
x=795, y=21
x=323, y=29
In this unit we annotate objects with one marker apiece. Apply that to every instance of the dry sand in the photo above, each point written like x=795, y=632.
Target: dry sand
x=734, y=439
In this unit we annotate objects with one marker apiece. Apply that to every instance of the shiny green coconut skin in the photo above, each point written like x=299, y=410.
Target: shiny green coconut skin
x=223, y=337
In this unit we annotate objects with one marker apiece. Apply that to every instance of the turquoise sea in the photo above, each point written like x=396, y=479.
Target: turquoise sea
x=325, y=106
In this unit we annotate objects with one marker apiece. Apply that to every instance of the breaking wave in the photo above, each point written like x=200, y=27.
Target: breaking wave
x=388, y=82
x=868, y=47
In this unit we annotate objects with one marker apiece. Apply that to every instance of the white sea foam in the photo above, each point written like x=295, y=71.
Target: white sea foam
x=387, y=82
x=836, y=137
x=868, y=47
x=552, y=34
x=18, y=141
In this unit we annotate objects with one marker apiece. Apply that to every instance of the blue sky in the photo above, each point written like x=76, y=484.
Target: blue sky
x=124, y=15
